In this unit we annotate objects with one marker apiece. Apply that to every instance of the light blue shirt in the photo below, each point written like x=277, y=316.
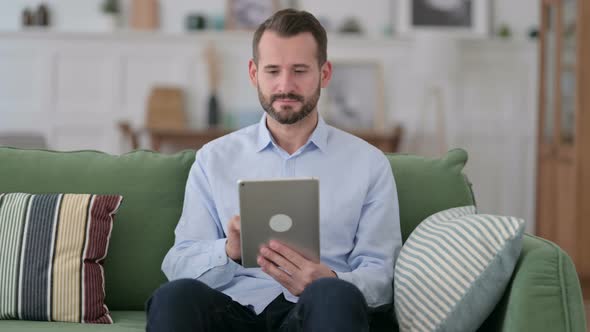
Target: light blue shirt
x=359, y=216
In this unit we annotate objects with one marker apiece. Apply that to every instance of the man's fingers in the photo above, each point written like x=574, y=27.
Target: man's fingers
x=235, y=224
x=288, y=253
x=278, y=260
x=279, y=275
x=232, y=245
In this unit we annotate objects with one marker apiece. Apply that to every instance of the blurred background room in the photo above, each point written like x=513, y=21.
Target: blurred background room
x=498, y=78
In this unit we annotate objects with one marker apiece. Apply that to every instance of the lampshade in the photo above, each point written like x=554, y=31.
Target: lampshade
x=435, y=55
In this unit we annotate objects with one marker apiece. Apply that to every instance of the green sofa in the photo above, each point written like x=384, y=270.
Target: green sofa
x=543, y=295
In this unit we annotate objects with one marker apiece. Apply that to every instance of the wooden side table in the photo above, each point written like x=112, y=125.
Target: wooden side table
x=184, y=138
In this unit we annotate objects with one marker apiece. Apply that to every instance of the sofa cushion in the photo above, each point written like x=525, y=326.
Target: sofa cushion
x=52, y=247
x=453, y=269
x=428, y=185
x=124, y=321
x=153, y=186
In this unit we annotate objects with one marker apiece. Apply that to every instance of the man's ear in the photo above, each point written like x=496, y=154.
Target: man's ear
x=253, y=72
x=326, y=74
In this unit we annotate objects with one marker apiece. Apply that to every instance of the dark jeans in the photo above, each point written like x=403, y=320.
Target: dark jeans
x=327, y=304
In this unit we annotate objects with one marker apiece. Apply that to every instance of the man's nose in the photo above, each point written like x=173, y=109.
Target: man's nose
x=286, y=83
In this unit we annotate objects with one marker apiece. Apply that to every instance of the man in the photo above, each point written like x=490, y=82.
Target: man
x=360, y=234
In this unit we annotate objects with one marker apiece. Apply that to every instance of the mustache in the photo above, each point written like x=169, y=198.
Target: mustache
x=286, y=96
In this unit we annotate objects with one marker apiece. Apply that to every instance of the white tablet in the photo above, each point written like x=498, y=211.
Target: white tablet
x=284, y=209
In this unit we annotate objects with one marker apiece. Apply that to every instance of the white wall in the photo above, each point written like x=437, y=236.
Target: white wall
x=375, y=15
x=44, y=85
x=490, y=109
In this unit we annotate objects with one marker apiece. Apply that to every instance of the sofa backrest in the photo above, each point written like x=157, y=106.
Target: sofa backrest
x=428, y=185
x=152, y=186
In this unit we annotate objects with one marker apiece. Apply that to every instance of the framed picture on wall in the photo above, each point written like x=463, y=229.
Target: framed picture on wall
x=249, y=14
x=464, y=17
x=354, y=99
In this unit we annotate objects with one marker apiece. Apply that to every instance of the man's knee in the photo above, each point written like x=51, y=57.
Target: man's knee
x=179, y=292
x=331, y=304
x=335, y=291
x=181, y=305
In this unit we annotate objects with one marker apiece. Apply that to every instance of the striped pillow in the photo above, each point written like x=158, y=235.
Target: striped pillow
x=453, y=269
x=52, y=247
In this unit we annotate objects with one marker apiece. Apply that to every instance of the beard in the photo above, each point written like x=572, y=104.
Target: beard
x=288, y=114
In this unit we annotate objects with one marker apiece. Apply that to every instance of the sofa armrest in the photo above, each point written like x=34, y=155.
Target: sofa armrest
x=544, y=293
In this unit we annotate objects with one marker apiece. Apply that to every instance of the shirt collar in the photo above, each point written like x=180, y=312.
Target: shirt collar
x=264, y=137
x=319, y=137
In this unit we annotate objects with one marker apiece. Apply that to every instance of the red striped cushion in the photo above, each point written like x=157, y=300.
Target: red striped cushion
x=52, y=249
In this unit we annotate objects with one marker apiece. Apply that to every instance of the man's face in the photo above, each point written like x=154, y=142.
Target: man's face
x=288, y=77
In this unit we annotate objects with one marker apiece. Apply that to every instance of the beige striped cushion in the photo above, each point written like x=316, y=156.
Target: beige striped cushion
x=52, y=247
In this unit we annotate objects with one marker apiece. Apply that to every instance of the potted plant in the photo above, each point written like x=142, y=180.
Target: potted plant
x=111, y=14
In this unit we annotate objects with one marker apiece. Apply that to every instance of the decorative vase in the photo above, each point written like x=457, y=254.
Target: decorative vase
x=145, y=14
x=213, y=115
x=42, y=16
x=27, y=18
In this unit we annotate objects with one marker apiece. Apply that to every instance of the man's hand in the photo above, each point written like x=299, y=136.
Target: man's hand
x=289, y=268
x=232, y=245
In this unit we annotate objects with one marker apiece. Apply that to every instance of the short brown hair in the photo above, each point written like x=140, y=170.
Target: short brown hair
x=291, y=22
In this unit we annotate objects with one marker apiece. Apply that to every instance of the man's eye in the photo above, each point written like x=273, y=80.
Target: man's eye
x=273, y=72
x=300, y=71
